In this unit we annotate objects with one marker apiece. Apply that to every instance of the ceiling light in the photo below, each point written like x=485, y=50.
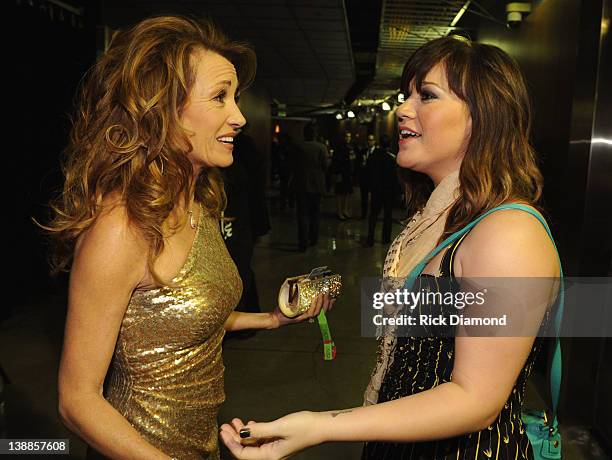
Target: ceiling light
x=385, y=106
x=339, y=116
x=460, y=13
x=350, y=114
x=400, y=98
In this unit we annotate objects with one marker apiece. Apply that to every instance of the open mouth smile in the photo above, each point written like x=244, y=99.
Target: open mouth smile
x=406, y=133
x=226, y=140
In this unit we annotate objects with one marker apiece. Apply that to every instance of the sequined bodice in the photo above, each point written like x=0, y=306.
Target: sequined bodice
x=166, y=377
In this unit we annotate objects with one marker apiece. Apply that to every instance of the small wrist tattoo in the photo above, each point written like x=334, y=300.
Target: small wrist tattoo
x=338, y=412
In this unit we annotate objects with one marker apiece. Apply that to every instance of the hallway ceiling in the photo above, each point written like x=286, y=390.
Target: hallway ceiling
x=306, y=58
x=303, y=47
x=406, y=25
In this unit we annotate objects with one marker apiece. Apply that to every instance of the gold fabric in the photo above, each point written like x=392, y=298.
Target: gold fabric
x=166, y=376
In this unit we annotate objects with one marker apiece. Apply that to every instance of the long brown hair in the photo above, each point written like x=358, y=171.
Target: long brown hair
x=500, y=163
x=127, y=138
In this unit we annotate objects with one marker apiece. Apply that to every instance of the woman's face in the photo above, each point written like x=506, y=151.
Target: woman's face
x=210, y=114
x=434, y=128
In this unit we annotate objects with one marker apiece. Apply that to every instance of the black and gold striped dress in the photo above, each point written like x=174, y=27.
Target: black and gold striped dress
x=421, y=363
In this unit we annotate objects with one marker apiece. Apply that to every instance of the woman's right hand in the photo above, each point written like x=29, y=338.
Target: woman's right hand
x=276, y=440
x=323, y=302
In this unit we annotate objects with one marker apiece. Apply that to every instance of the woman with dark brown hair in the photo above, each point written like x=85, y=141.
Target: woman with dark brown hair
x=464, y=126
x=152, y=287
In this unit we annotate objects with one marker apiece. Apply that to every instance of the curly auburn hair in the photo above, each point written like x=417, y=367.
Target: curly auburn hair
x=500, y=163
x=127, y=138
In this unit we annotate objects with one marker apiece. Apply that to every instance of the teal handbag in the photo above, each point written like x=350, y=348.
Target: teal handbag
x=543, y=433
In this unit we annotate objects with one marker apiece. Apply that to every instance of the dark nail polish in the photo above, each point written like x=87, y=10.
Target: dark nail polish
x=245, y=433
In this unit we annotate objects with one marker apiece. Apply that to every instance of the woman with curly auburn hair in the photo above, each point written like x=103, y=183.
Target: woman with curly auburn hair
x=450, y=393
x=152, y=287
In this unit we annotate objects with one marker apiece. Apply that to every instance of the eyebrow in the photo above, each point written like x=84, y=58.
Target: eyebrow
x=212, y=90
x=432, y=83
x=222, y=83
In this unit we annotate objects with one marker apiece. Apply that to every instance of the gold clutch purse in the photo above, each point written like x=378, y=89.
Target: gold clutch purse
x=296, y=294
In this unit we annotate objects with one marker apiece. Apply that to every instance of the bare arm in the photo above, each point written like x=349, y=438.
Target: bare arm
x=239, y=320
x=109, y=262
x=464, y=405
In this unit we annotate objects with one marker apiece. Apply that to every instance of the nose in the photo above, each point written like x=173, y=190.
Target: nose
x=405, y=110
x=236, y=120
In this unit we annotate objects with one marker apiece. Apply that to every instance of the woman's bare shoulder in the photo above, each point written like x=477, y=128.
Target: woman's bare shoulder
x=112, y=239
x=509, y=243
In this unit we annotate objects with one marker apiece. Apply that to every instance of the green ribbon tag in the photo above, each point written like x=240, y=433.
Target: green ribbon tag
x=329, y=347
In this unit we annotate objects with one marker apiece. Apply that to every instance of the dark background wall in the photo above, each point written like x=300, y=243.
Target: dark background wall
x=51, y=56
x=546, y=48
x=255, y=106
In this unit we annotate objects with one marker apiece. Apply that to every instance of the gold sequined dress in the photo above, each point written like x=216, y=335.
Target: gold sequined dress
x=166, y=376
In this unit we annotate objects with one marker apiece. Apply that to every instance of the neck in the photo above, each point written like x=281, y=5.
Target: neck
x=185, y=203
x=192, y=185
x=443, y=195
x=437, y=178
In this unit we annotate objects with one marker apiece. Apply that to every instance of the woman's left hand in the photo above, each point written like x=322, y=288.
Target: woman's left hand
x=275, y=440
x=323, y=302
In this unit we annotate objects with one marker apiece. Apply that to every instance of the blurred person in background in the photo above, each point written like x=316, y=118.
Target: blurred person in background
x=342, y=170
x=328, y=170
x=285, y=150
x=364, y=175
x=245, y=218
x=382, y=172
x=308, y=181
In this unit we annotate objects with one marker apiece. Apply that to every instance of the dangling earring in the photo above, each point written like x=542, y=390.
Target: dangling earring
x=192, y=222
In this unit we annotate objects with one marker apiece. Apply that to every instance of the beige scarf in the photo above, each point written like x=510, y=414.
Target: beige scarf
x=418, y=238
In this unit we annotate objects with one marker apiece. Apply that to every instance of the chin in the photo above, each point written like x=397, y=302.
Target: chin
x=225, y=162
x=406, y=161
x=219, y=161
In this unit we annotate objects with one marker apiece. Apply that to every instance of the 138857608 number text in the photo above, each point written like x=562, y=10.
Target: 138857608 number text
x=38, y=446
